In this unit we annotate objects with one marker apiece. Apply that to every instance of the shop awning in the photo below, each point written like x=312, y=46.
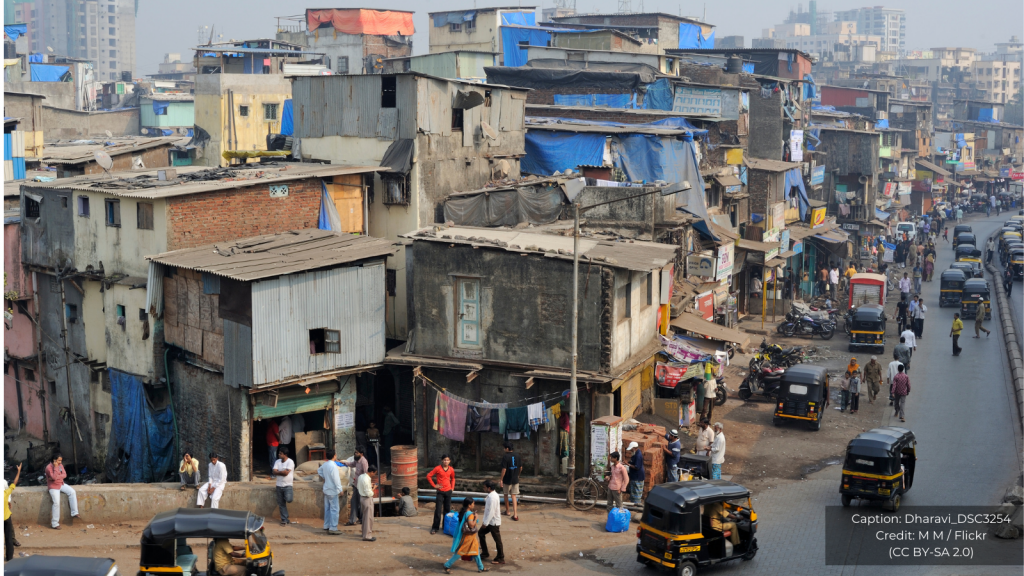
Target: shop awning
x=932, y=167
x=724, y=233
x=775, y=263
x=755, y=246
x=698, y=325
x=787, y=254
x=833, y=236
x=728, y=180
x=799, y=232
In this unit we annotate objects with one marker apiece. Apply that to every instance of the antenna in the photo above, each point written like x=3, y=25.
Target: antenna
x=210, y=41
x=108, y=133
x=104, y=160
x=488, y=131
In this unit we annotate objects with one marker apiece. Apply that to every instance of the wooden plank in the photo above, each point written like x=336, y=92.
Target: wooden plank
x=193, y=340
x=348, y=199
x=170, y=301
x=173, y=334
x=205, y=312
x=218, y=324
x=192, y=304
x=213, y=348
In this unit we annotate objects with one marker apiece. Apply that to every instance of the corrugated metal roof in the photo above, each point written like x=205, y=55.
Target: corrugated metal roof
x=144, y=183
x=277, y=254
x=770, y=165
x=83, y=153
x=635, y=255
x=279, y=51
x=604, y=129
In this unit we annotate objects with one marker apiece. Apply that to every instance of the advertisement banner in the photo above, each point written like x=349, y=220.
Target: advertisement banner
x=1017, y=175
x=817, y=217
x=701, y=265
x=817, y=175
x=778, y=215
x=706, y=305
x=784, y=239
x=771, y=236
x=725, y=261
x=903, y=188
x=668, y=375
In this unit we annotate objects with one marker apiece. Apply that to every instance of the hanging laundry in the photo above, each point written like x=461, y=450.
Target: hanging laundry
x=455, y=428
x=513, y=435
x=495, y=420
x=441, y=415
x=535, y=413
x=502, y=421
x=437, y=409
x=549, y=420
x=556, y=411
x=517, y=420
x=480, y=420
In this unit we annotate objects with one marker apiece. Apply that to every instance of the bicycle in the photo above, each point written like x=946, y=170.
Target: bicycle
x=585, y=492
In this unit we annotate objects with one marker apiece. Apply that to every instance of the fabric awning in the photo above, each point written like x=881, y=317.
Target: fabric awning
x=932, y=167
x=755, y=246
x=698, y=325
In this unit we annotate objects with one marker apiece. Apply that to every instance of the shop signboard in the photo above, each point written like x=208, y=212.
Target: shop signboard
x=706, y=305
x=818, y=175
x=784, y=239
x=771, y=236
x=1016, y=175
x=798, y=247
x=702, y=265
x=668, y=375
x=778, y=215
x=817, y=217
x=726, y=254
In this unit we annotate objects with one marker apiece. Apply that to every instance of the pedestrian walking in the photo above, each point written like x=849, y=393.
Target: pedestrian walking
x=918, y=320
x=491, y=522
x=1007, y=280
x=891, y=372
x=672, y=453
x=9, y=539
x=901, y=315
x=905, y=286
x=405, y=506
x=273, y=438
x=844, y=391
x=959, y=215
x=954, y=333
x=331, y=474
x=365, y=486
x=833, y=280
x=511, y=467
x=909, y=338
x=929, y=266
x=918, y=272
x=216, y=481
x=873, y=376
x=945, y=235
x=55, y=475
x=979, y=319
x=710, y=393
x=903, y=353
x=854, y=385
x=990, y=248
x=717, y=452
x=359, y=467
x=465, y=541
x=284, y=469
x=637, y=474
x=188, y=472
x=705, y=437
x=442, y=478
x=618, y=483
x=900, y=391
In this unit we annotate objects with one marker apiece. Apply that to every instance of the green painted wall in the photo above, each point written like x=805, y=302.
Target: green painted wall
x=178, y=114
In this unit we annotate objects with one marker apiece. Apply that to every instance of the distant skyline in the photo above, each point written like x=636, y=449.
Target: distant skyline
x=164, y=27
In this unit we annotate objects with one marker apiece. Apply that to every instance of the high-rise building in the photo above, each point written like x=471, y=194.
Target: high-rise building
x=101, y=31
x=888, y=23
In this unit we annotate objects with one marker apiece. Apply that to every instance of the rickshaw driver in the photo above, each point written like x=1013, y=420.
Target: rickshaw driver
x=228, y=559
x=723, y=522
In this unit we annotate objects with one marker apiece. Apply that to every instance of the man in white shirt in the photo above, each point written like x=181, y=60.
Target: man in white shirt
x=491, y=524
x=917, y=318
x=911, y=340
x=905, y=285
x=284, y=470
x=217, y=479
x=833, y=280
x=331, y=474
x=891, y=372
x=705, y=437
x=717, y=452
x=285, y=431
x=365, y=488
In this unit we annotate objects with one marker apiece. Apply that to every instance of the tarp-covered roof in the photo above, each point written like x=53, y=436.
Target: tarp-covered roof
x=362, y=21
x=528, y=77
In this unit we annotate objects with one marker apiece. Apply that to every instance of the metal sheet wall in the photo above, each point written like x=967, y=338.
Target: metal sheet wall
x=294, y=405
x=285, y=309
x=406, y=88
x=237, y=354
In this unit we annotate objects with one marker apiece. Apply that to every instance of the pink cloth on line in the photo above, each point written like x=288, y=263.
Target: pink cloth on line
x=455, y=423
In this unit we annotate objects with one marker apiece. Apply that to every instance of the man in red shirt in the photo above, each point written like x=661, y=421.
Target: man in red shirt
x=444, y=484
x=900, y=391
x=273, y=439
x=618, y=483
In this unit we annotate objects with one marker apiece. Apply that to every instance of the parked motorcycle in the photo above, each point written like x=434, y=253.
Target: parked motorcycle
x=776, y=355
x=808, y=326
x=765, y=381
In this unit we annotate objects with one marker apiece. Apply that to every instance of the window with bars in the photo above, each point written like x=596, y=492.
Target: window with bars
x=324, y=341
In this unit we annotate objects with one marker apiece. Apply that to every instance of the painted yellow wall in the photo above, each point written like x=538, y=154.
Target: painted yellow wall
x=485, y=38
x=250, y=132
x=92, y=321
x=126, y=349
x=120, y=250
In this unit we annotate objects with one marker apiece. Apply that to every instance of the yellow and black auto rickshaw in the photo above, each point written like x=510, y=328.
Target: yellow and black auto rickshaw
x=964, y=238
x=693, y=524
x=951, y=286
x=40, y=565
x=879, y=466
x=976, y=299
x=867, y=329
x=1016, y=263
x=802, y=396
x=165, y=549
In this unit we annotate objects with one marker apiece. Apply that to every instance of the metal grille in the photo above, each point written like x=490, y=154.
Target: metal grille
x=652, y=542
x=796, y=407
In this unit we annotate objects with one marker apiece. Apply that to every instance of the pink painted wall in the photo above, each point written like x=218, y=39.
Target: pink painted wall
x=15, y=274
x=31, y=403
x=20, y=342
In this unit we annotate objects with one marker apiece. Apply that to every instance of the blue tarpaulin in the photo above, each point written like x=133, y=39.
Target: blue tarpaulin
x=446, y=18
x=329, y=218
x=985, y=115
x=513, y=36
x=748, y=68
x=518, y=18
x=659, y=95
x=794, y=179
x=691, y=37
x=675, y=122
x=881, y=124
x=607, y=100
x=35, y=58
x=881, y=214
x=141, y=445
x=160, y=107
x=548, y=152
x=48, y=72
x=287, y=126
x=15, y=31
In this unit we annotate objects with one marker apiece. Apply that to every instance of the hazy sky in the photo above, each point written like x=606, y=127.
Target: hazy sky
x=165, y=26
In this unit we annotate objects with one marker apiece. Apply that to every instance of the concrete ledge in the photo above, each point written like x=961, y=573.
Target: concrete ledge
x=1013, y=354
x=106, y=503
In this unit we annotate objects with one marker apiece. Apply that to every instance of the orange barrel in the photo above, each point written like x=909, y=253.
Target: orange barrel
x=404, y=467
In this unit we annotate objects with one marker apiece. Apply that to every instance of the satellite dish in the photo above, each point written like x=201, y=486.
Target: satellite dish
x=104, y=160
x=50, y=50
x=108, y=133
x=488, y=131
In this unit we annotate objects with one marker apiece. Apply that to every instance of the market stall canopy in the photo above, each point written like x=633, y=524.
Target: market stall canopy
x=834, y=236
x=698, y=325
x=755, y=246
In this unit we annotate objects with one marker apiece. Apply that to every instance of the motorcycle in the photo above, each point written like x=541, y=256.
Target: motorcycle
x=809, y=326
x=776, y=355
x=721, y=393
x=765, y=380
x=848, y=321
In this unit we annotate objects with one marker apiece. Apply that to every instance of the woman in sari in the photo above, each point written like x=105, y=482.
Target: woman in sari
x=929, y=267
x=465, y=542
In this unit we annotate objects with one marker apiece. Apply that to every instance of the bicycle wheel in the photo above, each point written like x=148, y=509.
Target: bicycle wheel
x=583, y=494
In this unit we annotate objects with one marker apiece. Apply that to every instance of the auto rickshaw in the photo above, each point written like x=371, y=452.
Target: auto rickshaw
x=803, y=395
x=964, y=238
x=685, y=525
x=868, y=328
x=951, y=285
x=975, y=270
x=1008, y=248
x=1008, y=236
x=879, y=466
x=966, y=251
x=1016, y=263
x=165, y=549
x=866, y=288
x=39, y=565
x=975, y=299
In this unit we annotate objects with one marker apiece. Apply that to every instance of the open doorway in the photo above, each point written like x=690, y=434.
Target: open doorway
x=307, y=433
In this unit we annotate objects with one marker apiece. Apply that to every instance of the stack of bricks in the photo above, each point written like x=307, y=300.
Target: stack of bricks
x=652, y=442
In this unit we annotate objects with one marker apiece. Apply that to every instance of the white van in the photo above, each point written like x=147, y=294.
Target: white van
x=906, y=227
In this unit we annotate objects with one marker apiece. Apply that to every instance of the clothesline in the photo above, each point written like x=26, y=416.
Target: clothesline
x=523, y=402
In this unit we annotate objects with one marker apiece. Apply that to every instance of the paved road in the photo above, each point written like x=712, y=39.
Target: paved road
x=1016, y=301
x=969, y=444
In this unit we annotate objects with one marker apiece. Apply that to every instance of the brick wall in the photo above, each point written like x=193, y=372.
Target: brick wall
x=199, y=219
x=209, y=416
x=157, y=157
